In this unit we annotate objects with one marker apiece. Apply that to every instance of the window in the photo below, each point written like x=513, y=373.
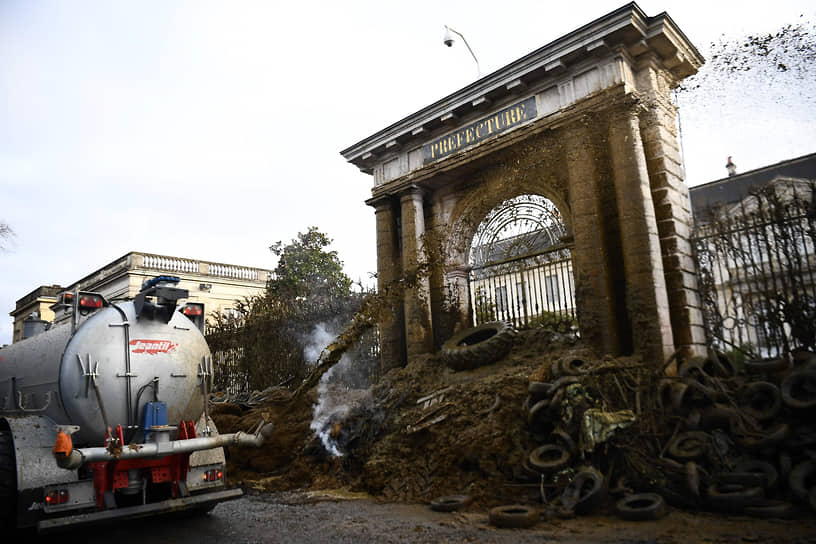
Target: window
x=501, y=299
x=553, y=292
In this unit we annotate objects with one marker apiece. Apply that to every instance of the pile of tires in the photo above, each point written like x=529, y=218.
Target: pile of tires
x=478, y=346
x=747, y=439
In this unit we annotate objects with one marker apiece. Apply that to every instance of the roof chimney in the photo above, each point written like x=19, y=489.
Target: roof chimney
x=731, y=167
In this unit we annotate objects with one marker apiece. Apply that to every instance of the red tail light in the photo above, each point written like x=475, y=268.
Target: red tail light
x=57, y=496
x=193, y=310
x=213, y=475
x=90, y=301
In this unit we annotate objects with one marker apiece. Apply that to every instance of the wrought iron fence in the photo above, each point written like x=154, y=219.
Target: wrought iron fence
x=757, y=269
x=529, y=291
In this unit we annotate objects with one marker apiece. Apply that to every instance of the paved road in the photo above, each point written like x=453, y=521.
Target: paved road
x=300, y=518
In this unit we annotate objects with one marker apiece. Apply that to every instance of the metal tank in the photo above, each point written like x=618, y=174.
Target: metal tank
x=103, y=416
x=100, y=372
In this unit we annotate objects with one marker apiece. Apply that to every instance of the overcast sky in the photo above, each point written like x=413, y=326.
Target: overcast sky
x=210, y=130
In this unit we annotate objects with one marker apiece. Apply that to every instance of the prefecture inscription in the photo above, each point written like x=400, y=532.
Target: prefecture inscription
x=480, y=130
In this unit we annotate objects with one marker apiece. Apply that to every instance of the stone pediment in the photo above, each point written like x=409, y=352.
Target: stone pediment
x=597, y=56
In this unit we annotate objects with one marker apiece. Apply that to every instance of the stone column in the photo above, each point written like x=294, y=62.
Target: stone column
x=417, y=301
x=456, y=303
x=389, y=270
x=658, y=127
x=646, y=297
x=593, y=290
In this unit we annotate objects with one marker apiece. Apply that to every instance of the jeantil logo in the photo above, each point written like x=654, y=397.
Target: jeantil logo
x=153, y=347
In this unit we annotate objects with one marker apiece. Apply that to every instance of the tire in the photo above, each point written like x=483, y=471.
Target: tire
x=513, y=516
x=745, y=479
x=770, y=437
x=641, y=507
x=803, y=357
x=801, y=478
x=799, y=389
x=574, y=367
x=478, y=346
x=709, y=366
x=761, y=400
x=539, y=390
x=664, y=394
x=549, y=457
x=583, y=493
x=734, y=497
x=769, y=366
x=693, y=478
x=678, y=500
x=803, y=436
x=718, y=416
x=726, y=364
x=537, y=410
x=8, y=482
x=450, y=503
x=689, y=446
x=758, y=466
x=565, y=440
x=563, y=382
x=771, y=509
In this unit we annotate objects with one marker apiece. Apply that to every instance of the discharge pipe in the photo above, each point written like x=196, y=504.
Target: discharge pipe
x=72, y=459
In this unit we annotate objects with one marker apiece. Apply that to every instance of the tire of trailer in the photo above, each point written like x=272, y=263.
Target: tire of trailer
x=8, y=482
x=478, y=346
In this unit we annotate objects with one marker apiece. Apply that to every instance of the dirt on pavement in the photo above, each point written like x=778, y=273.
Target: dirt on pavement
x=425, y=431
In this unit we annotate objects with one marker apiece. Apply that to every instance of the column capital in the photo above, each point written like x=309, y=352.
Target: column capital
x=458, y=270
x=411, y=192
x=380, y=202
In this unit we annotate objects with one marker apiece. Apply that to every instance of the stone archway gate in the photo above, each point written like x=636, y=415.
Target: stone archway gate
x=585, y=121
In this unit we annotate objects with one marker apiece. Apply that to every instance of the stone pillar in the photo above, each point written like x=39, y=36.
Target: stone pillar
x=389, y=270
x=593, y=290
x=658, y=128
x=456, y=303
x=646, y=297
x=417, y=301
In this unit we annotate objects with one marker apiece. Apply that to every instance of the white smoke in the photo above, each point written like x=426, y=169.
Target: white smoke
x=317, y=342
x=326, y=409
x=334, y=400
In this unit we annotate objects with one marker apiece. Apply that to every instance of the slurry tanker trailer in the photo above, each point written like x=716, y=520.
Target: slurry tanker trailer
x=103, y=416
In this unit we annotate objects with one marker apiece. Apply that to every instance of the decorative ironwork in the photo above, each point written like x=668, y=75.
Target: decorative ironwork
x=757, y=272
x=521, y=269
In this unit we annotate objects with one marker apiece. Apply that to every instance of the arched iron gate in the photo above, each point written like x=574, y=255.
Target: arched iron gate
x=521, y=270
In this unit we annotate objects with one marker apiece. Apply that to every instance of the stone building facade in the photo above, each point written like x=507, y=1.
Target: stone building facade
x=585, y=121
x=33, y=311
x=218, y=286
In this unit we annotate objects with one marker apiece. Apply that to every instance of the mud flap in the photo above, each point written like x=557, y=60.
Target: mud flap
x=132, y=512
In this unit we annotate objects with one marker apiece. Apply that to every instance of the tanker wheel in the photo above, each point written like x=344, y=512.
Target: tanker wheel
x=8, y=482
x=478, y=346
